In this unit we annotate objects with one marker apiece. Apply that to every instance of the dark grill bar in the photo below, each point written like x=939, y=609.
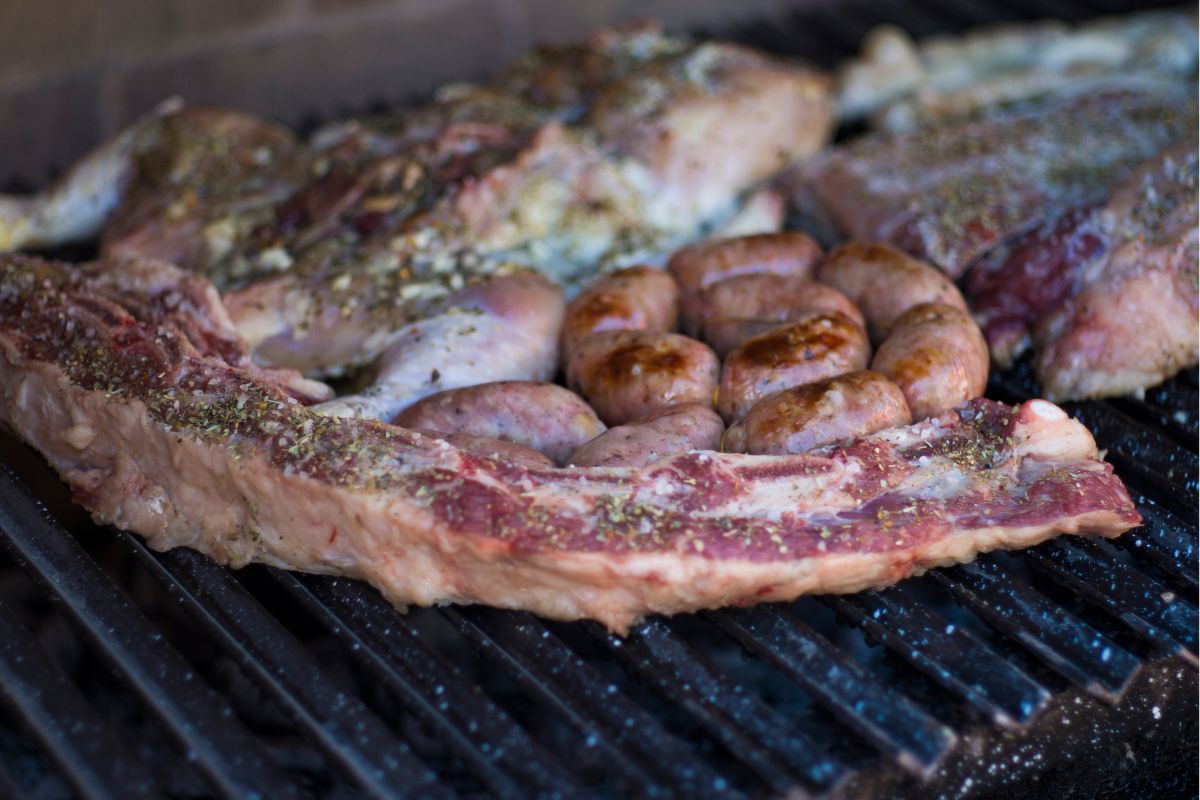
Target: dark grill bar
x=1068, y=668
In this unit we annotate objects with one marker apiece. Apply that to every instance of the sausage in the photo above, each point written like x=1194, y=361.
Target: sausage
x=738, y=308
x=635, y=298
x=885, y=282
x=542, y=416
x=937, y=355
x=819, y=346
x=628, y=374
x=699, y=266
x=498, y=449
x=676, y=429
x=806, y=417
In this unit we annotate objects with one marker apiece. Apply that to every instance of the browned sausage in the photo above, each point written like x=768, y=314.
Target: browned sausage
x=636, y=298
x=738, y=308
x=543, y=416
x=817, y=347
x=699, y=266
x=628, y=374
x=677, y=429
x=805, y=417
x=498, y=449
x=885, y=282
x=937, y=356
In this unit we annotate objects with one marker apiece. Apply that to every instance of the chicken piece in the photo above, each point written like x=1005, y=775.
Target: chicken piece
x=504, y=329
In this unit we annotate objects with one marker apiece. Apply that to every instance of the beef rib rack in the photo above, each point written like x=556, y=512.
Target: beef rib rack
x=130, y=389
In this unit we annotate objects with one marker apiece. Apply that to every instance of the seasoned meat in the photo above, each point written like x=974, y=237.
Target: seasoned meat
x=805, y=417
x=371, y=223
x=629, y=374
x=744, y=306
x=505, y=328
x=542, y=416
x=661, y=434
x=1106, y=294
x=497, y=449
x=174, y=443
x=819, y=346
x=937, y=355
x=952, y=193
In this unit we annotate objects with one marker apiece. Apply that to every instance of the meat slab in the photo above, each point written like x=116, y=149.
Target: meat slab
x=163, y=435
x=951, y=194
x=1106, y=293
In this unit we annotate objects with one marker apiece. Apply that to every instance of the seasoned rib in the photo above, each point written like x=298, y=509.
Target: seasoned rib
x=951, y=194
x=1106, y=294
x=175, y=443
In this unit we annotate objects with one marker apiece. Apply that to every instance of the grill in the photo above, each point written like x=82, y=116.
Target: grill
x=1066, y=670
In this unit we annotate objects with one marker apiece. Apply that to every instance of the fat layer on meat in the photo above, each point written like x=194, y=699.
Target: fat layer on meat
x=174, y=442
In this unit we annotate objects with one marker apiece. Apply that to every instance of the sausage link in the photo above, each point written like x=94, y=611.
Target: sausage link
x=542, y=416
x=805, y=417
x=937, y=355
x=738, y=308
x=819, y=346
x=677, y=429
x=629, y=374
x=635, y=298
x=885, y=282
x=699, y=266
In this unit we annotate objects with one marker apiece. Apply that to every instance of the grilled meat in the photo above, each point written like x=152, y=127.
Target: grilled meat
x=595, y=153
x=1107, y=294
x=176, y=443
x=951, y=194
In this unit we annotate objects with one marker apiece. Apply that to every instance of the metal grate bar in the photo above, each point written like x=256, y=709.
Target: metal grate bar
x=891, y=722
x=91, y=756
x=949, y=655
x=545, y=665
x=1165, y=541
x=484, y=738
x=199, y=719
x=1146, y=605
x=747, y=727
x=1068, y=645
x=339, y=723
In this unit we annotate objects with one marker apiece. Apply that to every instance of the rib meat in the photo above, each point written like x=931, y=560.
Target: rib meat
x=1107, y=294
x=951, y=194
x=178, y=443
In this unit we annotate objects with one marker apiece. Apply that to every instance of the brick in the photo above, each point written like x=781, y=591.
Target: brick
x=45, y=130
x=330, y=69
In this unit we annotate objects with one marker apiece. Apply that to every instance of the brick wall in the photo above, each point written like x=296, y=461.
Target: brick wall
x=74, y=71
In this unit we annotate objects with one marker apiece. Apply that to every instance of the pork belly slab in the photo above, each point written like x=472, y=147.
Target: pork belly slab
x=951, y=194
x=161, y=435
x=1106, y=294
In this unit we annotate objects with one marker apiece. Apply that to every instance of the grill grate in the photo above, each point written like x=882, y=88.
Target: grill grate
x=1072, y=664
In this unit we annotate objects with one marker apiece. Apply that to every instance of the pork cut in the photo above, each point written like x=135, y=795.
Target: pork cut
x=160, y=433
x=1107, y=294
x=951, y=194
